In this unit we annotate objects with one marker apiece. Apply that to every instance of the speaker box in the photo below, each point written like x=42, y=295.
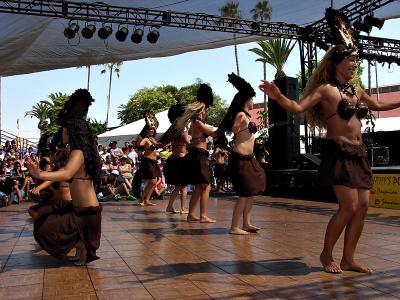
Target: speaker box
x=378, y=156
x=284, y=131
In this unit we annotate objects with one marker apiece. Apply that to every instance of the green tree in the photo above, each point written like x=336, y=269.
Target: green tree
x=274, y=52
x=112, y=67
x=41, y=111
x=231, y=10
x=155, y=99
x=263, y=12
x=97, y=127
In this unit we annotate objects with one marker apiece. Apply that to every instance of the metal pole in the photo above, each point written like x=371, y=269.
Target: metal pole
x=377, y=87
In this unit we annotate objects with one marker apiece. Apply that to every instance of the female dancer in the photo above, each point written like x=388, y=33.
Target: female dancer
x=173, y=168
x=196, y=159
x=334, y=103
x=148, y=167
x=248, y=178
x=79, y=228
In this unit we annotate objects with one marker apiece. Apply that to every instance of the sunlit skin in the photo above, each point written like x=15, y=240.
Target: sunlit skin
x=244, y=144
x=353, y=203
x=82, y=191
x=201, y=192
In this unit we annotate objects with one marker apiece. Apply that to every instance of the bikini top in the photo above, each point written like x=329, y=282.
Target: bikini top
x=346, y=109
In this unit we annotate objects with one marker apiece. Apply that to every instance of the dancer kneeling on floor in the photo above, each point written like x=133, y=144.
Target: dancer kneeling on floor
x=248, y=177
x=81, y=227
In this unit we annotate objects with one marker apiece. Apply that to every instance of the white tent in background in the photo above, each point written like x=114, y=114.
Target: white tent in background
x=129, y=132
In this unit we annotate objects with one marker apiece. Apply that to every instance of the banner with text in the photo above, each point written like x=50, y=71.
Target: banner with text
x=385, y=191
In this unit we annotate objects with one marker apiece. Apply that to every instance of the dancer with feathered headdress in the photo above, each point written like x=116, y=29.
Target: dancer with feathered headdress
x=248, y=178
x=80, y=226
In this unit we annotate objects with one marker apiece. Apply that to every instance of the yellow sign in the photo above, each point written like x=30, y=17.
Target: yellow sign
x=385, y=191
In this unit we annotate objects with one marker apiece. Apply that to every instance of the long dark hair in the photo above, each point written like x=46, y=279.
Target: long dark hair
x=81, y=137
x=237, y=105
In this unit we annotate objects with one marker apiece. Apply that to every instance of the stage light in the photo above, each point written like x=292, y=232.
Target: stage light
x=104, y=32
x=121, y=34
x=321, y=44
x=137, y=35
x=166, y=17
x=373, y=21
x=71, y=30
x=153, y=36
x=88, y=31
x=255, y=26
x=360, y=26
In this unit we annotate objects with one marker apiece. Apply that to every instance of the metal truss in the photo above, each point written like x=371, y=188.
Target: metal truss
x=104, y=13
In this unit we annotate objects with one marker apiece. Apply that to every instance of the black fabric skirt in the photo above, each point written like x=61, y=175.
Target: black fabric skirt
x=174, y=171
x=247, y=175
x=343, y=164
x=196, y=166
x=148, y=169
x=58, y=233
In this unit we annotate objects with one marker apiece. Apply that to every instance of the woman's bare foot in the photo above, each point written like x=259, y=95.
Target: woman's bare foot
x=251, y=228
x=141, y=203
x=81, y=253
x=206, y=219
x=192, y=218
x=237, y=230
x=184, y=212
x=150, y=204
x=355, y=267
x=329, y=264
x=171, y=210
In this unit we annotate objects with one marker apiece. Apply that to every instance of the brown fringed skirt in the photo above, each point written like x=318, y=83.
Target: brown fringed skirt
x=52, y=206
x=148, y=169
x=220, y=171
x=248, y=177
x=174, y=171
x=59, y=233
x=344, y=165
x=196, y=166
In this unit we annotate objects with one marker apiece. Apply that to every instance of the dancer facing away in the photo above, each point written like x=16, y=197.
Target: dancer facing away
x=248, y=177
x=334, y=103
x=148, y=167
x=196, y=164
x=79, y=228
x=173, y=168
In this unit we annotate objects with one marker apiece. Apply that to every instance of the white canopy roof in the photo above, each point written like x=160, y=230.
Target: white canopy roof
x=129, y=132
x=35, y=43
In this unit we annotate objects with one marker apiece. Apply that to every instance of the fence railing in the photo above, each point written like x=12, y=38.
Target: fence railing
x=22, y=143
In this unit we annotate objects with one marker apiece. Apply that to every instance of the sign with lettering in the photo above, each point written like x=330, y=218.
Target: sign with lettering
x=385, y=191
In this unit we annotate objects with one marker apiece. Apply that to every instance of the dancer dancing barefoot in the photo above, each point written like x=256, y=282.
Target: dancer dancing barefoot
x=334, y=103
x=80, y=227
x=248, y=178
x=174, y=167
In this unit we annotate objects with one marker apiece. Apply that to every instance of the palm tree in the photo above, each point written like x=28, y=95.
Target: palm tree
x=274, y=52
x=231, y=10
x=263, y=12
x=40, y=111
x=112, y=67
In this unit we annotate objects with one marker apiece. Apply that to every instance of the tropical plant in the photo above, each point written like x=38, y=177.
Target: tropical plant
x=40, y=111
x=111, y=67
x=263, y=12
x=231, y=10
x=274, y=52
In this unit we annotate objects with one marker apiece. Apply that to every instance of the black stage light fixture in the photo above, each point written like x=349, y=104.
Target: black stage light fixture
x=137, y=35
x=153, y=36
x=373, y=21
x=360, y=26
x=71, y=30
x=321, y=44
x=104, y=32
x=88, y=31
x=255, y=26
x=166, y=17
x=121, y=34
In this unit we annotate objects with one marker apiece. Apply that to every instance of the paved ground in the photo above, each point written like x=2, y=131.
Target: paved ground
x=147, y=254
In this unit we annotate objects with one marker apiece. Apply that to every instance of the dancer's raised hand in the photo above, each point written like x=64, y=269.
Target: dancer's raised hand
x=270, y=89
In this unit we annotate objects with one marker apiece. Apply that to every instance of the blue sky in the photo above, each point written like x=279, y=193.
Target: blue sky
x=20, y=93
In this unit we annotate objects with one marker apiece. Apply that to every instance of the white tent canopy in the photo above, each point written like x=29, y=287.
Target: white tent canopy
x=129, y=132
x=37, y=43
